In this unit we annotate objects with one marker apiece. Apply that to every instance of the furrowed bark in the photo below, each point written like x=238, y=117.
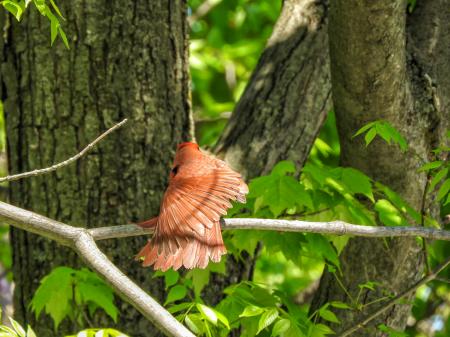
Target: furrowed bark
x=289, y=91
x=127, y=59
x=374, y=77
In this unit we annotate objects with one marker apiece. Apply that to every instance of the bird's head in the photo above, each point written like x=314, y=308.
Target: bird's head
x=189, y=145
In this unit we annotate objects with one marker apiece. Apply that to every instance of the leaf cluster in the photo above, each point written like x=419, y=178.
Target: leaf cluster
x=67, y=293
x=49, y=9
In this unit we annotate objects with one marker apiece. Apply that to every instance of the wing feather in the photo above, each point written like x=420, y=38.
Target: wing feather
x=187, y=231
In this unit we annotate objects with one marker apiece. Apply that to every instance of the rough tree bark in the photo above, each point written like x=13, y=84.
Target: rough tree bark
x=289, y=90
x=127, y=59
x=287, y=99
x=377, y=73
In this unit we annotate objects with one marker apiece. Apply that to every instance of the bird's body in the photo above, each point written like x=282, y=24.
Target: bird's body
x=187, y=229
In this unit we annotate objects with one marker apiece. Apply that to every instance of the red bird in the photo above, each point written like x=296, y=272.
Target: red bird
x=187, y=229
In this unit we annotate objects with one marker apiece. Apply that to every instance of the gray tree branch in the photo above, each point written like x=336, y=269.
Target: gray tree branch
x=329, y=227
x=80, y=154
x=83, y=243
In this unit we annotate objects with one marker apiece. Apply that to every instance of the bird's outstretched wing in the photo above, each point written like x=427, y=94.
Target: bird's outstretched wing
x=187, y=229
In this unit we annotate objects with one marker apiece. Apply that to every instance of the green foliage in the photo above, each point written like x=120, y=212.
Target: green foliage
x=99, y=333
x=411, y=5
x=225, y=44
x=384, y=130
x=392, y=332
x=65, y=292
x=48, y=9
x=16, y=330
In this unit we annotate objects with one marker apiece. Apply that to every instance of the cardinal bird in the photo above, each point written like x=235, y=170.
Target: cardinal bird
x=187, y=229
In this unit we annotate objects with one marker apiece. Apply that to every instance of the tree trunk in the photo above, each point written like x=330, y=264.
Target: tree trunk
x=289, y=90
x=375, y=76
x=287, y=99
x=127, y=59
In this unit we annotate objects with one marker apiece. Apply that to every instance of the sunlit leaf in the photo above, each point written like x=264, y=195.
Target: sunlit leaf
x=251, y=310
x=280, y=326
x=176, y=293
x=267, y=318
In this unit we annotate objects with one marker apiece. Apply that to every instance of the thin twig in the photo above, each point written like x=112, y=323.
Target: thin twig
x=330, y=227
x=65, y=162
x=394, y=300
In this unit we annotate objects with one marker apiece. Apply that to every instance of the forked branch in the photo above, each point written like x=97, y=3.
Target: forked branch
x=80, y=240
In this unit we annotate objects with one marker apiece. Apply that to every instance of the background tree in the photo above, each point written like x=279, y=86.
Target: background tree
x=389, y=70
x=127, y=59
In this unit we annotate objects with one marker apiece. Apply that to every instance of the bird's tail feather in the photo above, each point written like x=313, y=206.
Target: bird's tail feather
x=192, y=252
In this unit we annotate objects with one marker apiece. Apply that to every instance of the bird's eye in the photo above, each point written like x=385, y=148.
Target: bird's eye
x=174, y=170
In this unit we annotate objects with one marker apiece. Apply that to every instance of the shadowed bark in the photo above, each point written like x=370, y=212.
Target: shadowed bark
x=289, y=91
x=288, y=96
x=375, y=76
x=127, y=59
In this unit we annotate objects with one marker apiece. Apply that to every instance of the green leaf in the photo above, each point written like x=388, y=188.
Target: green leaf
x=30, y=332
x=207, y=313
x=171, y=277
x=100, y=294
x=280, y=326
x=383, y=132
x=328, y=315
x=56, y=8
x=445, y=203
x=179, y=307
x=320, y=330
x=431, y=165
x=392, y=332
x=63, y=36
x=321, y=246
x=41, y=6
x=444, y=189
x=370, y=136
x=267, y=318
x=340, y=305
x=54, y=25
x=221, y=317
x=200, y=278
x=54, y=294
x=251, y=310
x=258, y=186
x=176, y=293
x=388, y=213
x=192, y=324
x=283, y=167
x=357, y=182
x=441, y=174
x=14, y=8
x=17, y=328
x=364, y=129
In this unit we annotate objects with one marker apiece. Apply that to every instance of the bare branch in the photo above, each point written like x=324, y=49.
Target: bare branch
x=331, y=227
x=65, y=162
x=82, y=242
x=394, y=300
